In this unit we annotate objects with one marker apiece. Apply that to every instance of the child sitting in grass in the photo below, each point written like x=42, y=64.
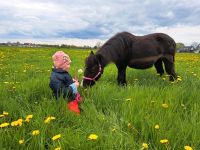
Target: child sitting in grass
x=61, y=82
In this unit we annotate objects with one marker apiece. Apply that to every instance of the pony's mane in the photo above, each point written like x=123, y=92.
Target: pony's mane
x=118, y=40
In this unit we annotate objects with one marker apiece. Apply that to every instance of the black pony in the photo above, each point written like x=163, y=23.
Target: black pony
x=140, y=52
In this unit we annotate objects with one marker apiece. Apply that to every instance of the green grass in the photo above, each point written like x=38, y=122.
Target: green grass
x=122, y=117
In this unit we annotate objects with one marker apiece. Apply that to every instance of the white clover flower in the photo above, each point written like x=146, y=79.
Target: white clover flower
x=80, y=71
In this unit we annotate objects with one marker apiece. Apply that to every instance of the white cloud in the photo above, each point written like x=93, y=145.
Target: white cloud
x=181, y=33
x=47, y=19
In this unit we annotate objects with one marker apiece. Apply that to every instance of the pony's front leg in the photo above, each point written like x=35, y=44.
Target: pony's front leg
x=121, y=77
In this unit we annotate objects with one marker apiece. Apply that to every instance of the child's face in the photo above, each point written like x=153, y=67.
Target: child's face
x=67, y=65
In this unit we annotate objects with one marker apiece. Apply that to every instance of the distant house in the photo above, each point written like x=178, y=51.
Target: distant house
x=197, y=49
x=188, y=49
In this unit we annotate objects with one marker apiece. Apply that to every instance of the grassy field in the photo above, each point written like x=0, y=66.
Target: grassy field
x=150, y=113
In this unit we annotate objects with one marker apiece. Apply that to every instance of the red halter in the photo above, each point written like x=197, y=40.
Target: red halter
x=93, y=79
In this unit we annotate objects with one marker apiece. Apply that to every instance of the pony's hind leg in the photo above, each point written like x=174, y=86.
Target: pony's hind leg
x=159, y=67
x=169, y=67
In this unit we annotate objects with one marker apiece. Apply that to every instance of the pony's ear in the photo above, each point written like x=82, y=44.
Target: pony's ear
x=99, y=58
x=91, y=53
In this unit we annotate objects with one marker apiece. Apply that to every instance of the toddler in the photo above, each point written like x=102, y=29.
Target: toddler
x=61, y=82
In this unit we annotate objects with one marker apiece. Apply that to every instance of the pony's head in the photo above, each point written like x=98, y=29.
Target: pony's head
x=93, y=70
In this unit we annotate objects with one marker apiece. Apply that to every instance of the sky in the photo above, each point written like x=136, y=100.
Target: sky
x=87, y=22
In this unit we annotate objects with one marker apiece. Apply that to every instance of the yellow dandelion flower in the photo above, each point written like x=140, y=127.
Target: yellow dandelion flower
x=179, y=79
x=58, y=148
x=113, y=130
x=56, y=137
x=48, y=119
x=92, y=137
x=28, y=118
x=17, y=122
x=188, y=148
x=52, y=118
x=35, y=132
x=165, y=105
x=5, y=113
x=157, y=126
x=164, y=141
x=2, y=116
x=5, y=124
x=145, y=146
x=129, y=125
x=21, y=141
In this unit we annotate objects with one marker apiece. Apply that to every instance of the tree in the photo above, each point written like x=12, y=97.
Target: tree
x=195, y=45
x=98, y=45
x=179, y=45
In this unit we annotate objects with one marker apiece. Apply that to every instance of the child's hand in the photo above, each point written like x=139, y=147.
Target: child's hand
x=75, y=79
x=76, y=82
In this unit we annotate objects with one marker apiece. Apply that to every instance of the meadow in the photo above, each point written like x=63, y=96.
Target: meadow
x=149, y=113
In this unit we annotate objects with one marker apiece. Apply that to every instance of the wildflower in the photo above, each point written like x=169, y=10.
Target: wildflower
x=80, y=71
x=4, y=125
x=56, y=137
x=5, y=113
x=188, y=148
x=183, y=106
x=179, y=79
x=164, y=141
x=145, y=146
x=113, y=130
x=92, y=137
x=28, y=118
x=194, y=74
x=2, y=116
x=129, y=125
x=58, y=148
x=35, y=132
x=128, y=99
x=21, y=141
x=157, y=126
x=165, y=106
x=17, y=122
x=48, y=119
